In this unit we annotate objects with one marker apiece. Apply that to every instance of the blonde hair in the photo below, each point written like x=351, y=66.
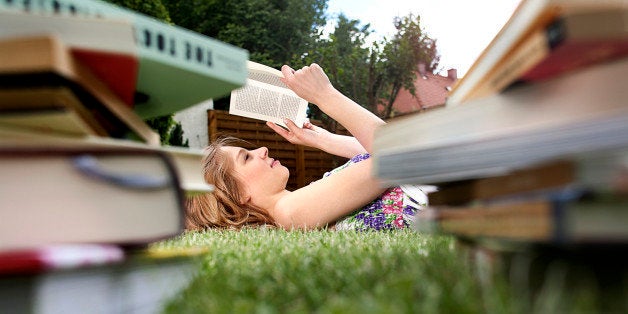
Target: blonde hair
x=222, y=208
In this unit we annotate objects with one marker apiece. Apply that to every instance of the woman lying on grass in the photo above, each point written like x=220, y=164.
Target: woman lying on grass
x=250, y=186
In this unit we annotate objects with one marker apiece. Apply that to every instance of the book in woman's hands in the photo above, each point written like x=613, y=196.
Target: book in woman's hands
x=266, y=97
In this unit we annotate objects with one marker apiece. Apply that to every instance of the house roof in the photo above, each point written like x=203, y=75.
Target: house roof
x=431, y=90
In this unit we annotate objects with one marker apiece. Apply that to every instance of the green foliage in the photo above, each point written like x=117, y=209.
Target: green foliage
x=345, y=58
x=410, y=46
x=154, y=8
x=374, y=74
x=176, y=136
x=274, y=31
x=170, y=131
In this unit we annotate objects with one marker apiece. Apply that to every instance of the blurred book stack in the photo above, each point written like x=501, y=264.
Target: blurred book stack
x=532, y=145
x=86, y=185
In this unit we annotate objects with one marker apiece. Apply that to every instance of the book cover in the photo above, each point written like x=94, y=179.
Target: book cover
x=64, y=121
x=571, y=42
x=178, y=68
x=187, y=161
x=539, y=177
x=45, y=62
x=57, y=257
x=106, y=47
x=581, y=40
x=66, y=194
x=142, y=282
x=81, y=113
x=528, y=17
x=565, y=217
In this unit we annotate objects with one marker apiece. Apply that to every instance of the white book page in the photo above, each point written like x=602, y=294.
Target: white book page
x=265, y=97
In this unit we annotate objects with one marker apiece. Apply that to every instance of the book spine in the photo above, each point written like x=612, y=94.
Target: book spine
x=542, y=177
x=570, y=216
x=156, y=40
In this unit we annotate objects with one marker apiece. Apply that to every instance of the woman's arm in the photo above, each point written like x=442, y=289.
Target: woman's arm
x=314, y=136
x=329, y=199
x=312, y=84
x=333, y=197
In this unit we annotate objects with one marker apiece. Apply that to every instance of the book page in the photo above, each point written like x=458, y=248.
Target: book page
x=267, y=102
x=267, y=78
x=265, y=97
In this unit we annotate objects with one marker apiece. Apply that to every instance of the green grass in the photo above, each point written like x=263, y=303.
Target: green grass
x=270, y=271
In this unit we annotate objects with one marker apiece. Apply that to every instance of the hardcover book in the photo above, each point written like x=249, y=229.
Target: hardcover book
x=140, y=281
x=555, y=219
x=571, y=42
x=187, y=161
x=575, y=114
x=106, y=47
x=529, y=17
x=178, y=68
x=44, y=64
x=65, y=194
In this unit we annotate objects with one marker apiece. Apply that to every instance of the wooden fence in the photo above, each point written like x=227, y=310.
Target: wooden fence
x=305, y=164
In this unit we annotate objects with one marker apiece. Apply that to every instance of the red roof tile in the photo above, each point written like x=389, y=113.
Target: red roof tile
x=430, y=89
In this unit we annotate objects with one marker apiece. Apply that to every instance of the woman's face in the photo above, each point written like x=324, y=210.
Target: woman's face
x=258, y=172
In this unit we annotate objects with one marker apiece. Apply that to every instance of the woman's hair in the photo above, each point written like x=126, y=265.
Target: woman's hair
x=222, y=208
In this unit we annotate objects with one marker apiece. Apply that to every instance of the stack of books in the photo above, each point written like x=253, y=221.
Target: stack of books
x=86, y=186
x=532, y=145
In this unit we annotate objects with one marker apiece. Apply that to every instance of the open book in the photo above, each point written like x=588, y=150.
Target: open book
x=266, y=97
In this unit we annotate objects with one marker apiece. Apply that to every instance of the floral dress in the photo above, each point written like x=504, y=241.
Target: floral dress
x=394, y=209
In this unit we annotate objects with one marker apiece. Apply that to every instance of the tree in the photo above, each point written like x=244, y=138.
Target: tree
x=409, y=46
x=345, y=57
x=273, y=31
x=373, y=74
x=154, y=8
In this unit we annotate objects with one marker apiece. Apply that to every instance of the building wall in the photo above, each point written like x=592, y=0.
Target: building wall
x=193, y=121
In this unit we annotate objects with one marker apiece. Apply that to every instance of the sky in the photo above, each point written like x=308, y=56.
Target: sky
x=462, y=28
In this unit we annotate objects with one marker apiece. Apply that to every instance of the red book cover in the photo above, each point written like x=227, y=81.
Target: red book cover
x=580, y=40
x=63, y=256
x=118, y=71
x=573, y=55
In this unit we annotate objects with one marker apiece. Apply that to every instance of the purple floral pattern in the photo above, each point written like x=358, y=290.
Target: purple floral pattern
x=387, y=212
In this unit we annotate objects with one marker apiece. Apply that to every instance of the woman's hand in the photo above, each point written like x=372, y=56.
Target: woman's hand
x=310, y=83
x=310, y=135
x=316, y=137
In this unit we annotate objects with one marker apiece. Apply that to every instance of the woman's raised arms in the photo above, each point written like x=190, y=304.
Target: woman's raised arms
x=312, y=84
x=325, y=201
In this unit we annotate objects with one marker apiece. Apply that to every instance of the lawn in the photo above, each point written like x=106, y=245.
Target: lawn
x=269, y=271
